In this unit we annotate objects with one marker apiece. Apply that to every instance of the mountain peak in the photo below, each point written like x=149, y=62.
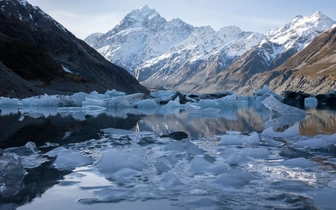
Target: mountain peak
x=145, y=8
x=319, y=16
x=144, y=11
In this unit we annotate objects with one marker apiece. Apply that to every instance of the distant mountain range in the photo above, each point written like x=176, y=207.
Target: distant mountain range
x=38, y=55
x=175, y=55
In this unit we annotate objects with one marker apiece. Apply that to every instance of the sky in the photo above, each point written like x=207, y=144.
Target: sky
x=84, y=17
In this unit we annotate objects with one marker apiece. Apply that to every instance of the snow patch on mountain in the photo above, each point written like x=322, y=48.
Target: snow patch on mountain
x=144, y=42
x=149, y=46
x=297, y=34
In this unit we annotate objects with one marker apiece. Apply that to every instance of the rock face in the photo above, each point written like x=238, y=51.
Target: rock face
x=165, y=54
x=175, y=55
x=312, y=70
x=253, y=68
x=38, y=55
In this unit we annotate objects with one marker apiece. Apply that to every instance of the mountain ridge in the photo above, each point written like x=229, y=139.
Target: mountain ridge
x=50, y=58
x=206, y=60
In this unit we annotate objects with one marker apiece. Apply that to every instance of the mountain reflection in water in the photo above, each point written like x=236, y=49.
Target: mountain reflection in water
x=63, y=128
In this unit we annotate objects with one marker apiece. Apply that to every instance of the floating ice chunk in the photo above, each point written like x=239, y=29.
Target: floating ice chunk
x=282, y=109
x=161, y=167
x=265, y=90
x=114, y=164
x=147, y=106
x=124, y=101
x=165, y=163
x=298, y=162
x=11, y=174
x=232, y=140
x=291, y=131
x=118, y=102
x=170, y=180
x=208, y=103
x=134, y=98
x=67, y=160
x=78, y=98
x=114, y=93
x=228, y=101
x=255, y=152
x=313, y=143
x=163, y=95
x=253, y=138
x=170, y=107
x=310, y=102
x=43, y=100
x=199, y=165
x=29, y=154
x=8, y=102
x=235, y=159
x=235, y=178
x=55, y=152
x=223, y=103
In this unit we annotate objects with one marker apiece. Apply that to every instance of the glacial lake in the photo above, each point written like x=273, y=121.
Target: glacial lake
x=122, y=159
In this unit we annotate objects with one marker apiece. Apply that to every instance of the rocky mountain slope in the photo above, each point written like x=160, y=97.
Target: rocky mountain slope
x=165, y=51
x=312, y=70
x=38, y=55
x=175, y=55
x=279, y=45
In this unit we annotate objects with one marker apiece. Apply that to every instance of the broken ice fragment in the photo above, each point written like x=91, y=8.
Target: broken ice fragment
x=282, y=109
x=11, y=174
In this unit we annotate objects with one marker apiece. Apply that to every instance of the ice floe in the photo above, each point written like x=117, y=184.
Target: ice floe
x=228, y=170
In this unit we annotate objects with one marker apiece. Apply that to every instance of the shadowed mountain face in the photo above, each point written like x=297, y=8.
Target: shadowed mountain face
x=38, y=55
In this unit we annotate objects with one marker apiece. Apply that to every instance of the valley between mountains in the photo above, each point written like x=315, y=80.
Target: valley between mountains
x=175, y=55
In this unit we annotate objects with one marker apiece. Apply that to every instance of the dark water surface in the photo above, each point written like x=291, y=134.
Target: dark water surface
x=63, y=128
x=43, y=188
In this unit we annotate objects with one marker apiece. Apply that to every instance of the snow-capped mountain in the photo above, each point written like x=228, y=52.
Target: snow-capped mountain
x=196, y=62
x=142, y=35
x=145, y=43
x=175, y=55
x=294, y=36
x=279, y=45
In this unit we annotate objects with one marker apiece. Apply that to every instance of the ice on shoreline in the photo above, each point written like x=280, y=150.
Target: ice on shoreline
x=119, y=104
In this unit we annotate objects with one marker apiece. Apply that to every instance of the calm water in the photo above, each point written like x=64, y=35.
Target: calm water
x=50, y=128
